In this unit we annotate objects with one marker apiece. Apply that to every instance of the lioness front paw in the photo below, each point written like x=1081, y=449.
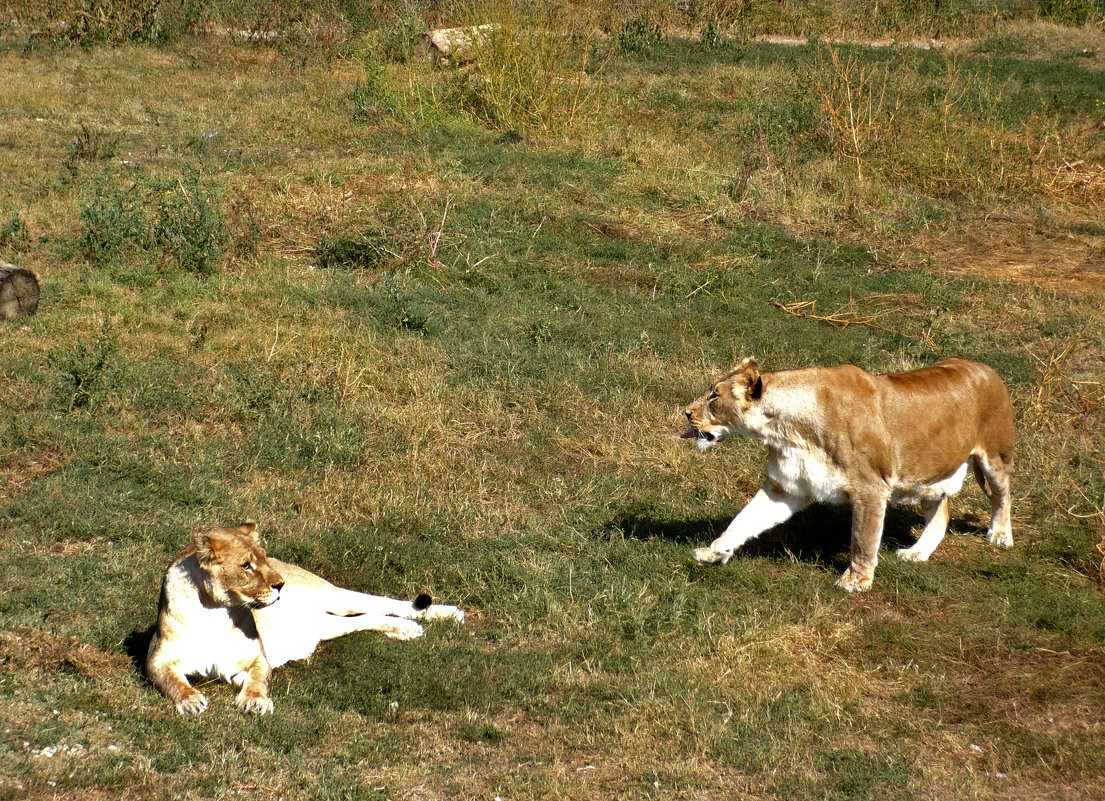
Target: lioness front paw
x=398, y=628
x=708, y=556
x=193, y=704
x=443, y=612
x=254, y=703
x=912, y=555
x=1002, y=538
x=851, y=581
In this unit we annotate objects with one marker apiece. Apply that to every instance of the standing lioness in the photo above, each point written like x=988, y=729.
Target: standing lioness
x=229, y=611
x=842, y=435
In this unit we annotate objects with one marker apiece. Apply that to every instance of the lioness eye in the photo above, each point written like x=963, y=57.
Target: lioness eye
x=713, y=396
x=247, y=566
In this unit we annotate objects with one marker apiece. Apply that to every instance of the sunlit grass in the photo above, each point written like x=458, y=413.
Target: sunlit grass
x=447, y=351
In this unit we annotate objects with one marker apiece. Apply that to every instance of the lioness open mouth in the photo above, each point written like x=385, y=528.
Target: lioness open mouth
x=694, y=433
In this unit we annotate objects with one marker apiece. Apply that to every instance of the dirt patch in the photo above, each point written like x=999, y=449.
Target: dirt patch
x=1073, y=263
x=69, y=548
x=16, y=478
x=1047, y=692
x=37, y=649
x=918, y=44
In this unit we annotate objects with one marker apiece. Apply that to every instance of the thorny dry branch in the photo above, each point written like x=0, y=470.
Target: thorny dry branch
x=877, y=307
x=1052, y=371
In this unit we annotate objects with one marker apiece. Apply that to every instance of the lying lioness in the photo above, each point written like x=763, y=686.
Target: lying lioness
x=842, y=435
x=227, y=611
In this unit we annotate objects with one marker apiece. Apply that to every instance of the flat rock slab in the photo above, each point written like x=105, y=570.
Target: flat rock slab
x=452, y=46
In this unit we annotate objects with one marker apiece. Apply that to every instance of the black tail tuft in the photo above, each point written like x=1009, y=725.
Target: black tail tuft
x=422, y=602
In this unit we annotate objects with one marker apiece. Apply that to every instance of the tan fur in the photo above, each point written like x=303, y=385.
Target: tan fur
x=843, y=435
x=229, y=611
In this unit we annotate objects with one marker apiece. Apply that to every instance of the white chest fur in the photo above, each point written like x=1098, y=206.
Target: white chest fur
x=216, y=642
x=805, y=472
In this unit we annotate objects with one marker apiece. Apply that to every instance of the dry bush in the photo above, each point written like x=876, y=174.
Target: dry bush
x=859, y=103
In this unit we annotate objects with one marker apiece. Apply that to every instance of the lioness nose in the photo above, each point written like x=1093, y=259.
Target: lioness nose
x=278, y=586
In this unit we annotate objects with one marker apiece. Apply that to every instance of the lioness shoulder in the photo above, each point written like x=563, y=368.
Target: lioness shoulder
x=843, y=435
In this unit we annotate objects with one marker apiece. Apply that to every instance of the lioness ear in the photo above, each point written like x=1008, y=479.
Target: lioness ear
x=249, y=528
x=209, y=544
x=750, y=376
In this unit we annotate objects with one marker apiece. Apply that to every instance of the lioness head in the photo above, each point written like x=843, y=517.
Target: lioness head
x=727, y=408
x=236, y=570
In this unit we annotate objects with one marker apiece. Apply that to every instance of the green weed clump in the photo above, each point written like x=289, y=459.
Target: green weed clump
x=711, y=38
x=83, y=372
x=397, y=307
x=399, y=37
x=639, y=36
x=367, y=250
x=14, y=234
x=117, y=219
x=189, y=226
x=377, y=96
x=120, y=22
x=180, y=220
x=1071, y=12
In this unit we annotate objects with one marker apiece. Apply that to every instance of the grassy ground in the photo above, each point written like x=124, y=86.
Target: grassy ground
x=434, y=331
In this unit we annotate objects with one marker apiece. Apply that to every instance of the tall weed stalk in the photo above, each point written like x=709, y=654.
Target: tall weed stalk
x=859, y=103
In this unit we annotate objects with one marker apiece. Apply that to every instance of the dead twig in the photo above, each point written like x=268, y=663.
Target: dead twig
x=846, y=315
x=1052, y=370
x=1101, y=549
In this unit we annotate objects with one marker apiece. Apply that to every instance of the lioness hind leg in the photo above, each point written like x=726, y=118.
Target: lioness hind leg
x=996, y=472
x=332, y=625
x=350, y=602
x=936, y=524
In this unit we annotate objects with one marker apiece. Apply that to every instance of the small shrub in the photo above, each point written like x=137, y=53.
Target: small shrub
x=117, y=218
x=859, y=102
x=91, y=144
x=14, y=234
x=189, y=225
x=520, y=78
x=84, y=370
x=639, y=36
x=710, y=37
x=399, y=38
x=182, y=219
